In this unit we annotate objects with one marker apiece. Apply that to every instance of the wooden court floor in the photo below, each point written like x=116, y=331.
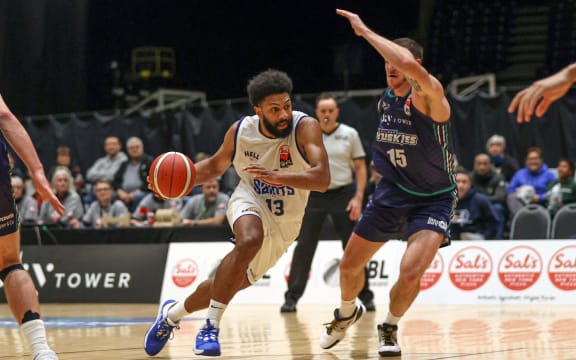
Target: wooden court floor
x=104, y=331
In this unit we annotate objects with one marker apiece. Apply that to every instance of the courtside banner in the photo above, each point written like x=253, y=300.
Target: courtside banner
x=502, y=272
x=189, y=264
x=96, y=273
x=467, y=272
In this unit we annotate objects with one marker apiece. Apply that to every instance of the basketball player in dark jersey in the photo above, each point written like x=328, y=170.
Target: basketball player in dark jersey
x=414, y=199
x=18, y=286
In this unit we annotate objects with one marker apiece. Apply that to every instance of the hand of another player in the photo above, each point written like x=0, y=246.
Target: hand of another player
x=536, y=98
x=260, y=172
x=354, y=208
x=357, y=24
x=45, y=191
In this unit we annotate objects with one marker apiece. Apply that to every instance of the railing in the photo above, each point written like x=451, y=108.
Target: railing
x=473, y=83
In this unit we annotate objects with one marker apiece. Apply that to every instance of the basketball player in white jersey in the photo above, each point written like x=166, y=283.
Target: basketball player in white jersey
x=280, y=157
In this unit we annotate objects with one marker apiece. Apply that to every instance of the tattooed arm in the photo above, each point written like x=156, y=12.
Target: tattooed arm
x=428, y=93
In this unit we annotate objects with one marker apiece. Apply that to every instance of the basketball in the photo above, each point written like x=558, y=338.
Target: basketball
x=172, y=175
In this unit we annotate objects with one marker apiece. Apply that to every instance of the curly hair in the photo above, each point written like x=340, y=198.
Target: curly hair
x=267, y=83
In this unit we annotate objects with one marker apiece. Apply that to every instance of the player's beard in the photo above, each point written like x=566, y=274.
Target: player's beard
x=272, y=129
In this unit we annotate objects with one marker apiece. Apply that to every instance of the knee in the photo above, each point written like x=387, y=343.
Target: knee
x=9, y=269
x=409, y=275
x=249, y=245
x=350, y=267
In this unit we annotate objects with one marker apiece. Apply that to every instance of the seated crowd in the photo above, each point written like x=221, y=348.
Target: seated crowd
x=114, y=192
x=495, y=190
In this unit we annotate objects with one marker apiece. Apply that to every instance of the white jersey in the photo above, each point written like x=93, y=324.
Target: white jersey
x=286, y=203
x=280, y=207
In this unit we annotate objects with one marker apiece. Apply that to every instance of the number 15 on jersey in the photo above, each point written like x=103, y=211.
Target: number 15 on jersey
x=397, y=157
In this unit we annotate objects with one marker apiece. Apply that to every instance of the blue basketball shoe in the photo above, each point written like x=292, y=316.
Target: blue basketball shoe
x=160, y=332
x=207, y=340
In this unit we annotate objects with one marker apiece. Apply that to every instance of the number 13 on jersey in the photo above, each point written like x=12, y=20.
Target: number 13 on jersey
x=397, y=157
x=276, y=206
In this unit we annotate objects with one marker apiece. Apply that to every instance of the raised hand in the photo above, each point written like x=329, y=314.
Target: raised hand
x=357, y=24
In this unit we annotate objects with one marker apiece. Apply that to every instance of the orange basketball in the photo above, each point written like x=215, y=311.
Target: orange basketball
x=172, y=175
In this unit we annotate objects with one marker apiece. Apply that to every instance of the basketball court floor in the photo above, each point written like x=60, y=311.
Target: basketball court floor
x=112, y=331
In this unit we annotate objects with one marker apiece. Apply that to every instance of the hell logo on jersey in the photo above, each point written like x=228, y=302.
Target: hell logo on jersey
x=285, y=158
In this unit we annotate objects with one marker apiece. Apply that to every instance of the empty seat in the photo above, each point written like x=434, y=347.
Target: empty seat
x=564, y=223
x=531, y=222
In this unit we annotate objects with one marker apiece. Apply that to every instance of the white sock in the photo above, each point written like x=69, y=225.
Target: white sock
x=391, y=319
x=347, y=308
x=177, y=311
x=35, y=333
x=215, y=312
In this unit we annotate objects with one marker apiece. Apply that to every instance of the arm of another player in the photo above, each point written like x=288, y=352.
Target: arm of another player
x=355, y=204
x=20, y=141
x=536, y=98
x=309, y=140
x=218, y=163
x=428, y=91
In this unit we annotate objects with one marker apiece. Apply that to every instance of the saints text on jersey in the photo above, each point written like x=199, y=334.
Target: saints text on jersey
x=264, y=188
x=396, y=137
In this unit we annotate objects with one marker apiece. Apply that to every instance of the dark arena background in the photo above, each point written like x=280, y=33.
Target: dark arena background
x=174, y=74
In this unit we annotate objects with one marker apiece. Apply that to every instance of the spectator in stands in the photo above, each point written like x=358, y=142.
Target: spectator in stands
x=102, y=205
x=63, y=187
x=536, y=98
x=14, y=170
x=503, y=163
x=151, y=203
x=26, y=205
x=474, y=217
x=130, y=179
x=563, y=190
x=208, y=208
x=529, y=184
x=489, y=182
x=105, y=167
x=64, y=158
x=24, y=175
